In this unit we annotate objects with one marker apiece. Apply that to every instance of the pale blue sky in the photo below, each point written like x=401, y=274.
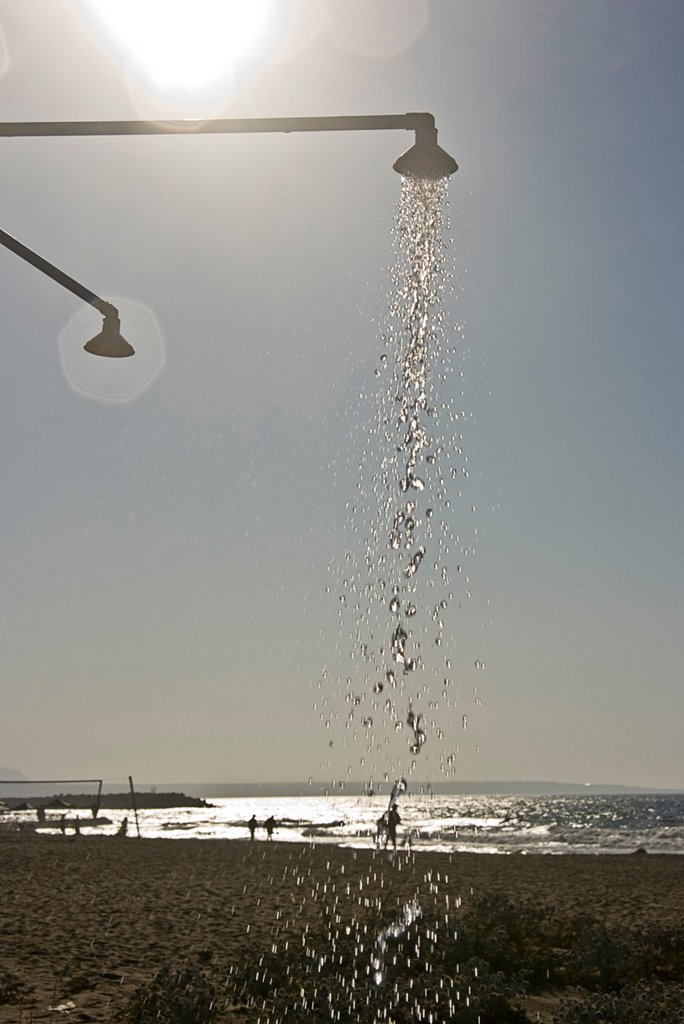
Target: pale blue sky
x=164, y=559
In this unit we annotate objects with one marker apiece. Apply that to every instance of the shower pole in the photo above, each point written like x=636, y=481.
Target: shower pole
x=424, y=159
x=422, y=124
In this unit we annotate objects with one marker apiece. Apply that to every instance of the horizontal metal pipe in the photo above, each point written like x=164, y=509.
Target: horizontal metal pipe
x=220, y=126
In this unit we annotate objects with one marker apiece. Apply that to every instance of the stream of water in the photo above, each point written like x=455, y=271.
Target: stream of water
x=408, y=687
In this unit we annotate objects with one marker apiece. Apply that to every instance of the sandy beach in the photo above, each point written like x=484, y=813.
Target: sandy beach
x=84, y=921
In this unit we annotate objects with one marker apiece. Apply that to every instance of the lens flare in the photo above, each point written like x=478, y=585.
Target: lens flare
x=183, y=45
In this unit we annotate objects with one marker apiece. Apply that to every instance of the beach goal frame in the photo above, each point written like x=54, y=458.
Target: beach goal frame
x=54, y=782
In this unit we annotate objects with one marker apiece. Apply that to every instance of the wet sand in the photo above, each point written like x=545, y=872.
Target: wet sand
x=85, y=920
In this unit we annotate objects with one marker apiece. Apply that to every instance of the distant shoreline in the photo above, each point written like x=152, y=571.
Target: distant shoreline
x=107, y=802
x=194, y=794
x=218, y=790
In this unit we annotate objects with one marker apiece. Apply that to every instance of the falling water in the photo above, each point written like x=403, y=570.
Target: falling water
x=402, y=579
x=389, y=706
x=374, y=938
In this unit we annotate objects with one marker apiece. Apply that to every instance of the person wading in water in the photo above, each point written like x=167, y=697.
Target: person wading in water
x=393, y=820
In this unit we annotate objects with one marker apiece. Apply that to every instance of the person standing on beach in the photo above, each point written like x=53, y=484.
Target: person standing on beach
x=393, y=820
x=269, y=825
x=251, y=825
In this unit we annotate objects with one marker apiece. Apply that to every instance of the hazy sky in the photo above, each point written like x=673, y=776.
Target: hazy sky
x=164, y=559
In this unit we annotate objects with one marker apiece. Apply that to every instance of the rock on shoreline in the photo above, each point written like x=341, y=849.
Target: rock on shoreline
x=109, y=801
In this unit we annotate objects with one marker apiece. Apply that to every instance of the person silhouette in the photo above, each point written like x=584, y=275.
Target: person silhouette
x=269, y=825
x=393, y=820
x=251, y=825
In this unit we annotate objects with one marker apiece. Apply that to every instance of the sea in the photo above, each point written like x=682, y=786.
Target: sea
x=594, y=824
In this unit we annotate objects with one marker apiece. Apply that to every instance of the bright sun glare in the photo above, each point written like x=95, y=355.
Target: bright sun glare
x=183, y=44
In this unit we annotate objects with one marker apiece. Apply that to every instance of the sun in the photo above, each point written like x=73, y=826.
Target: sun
x=183, y=46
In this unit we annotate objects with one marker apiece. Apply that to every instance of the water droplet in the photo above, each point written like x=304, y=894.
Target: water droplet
x=378, y=688
x=413, y=565
x=395, y=605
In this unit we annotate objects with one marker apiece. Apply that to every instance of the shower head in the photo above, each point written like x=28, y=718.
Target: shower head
x=110, y=342
x=425, y=159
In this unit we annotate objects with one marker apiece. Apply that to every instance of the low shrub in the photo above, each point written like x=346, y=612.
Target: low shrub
x=183, y=996
x=654, y=1003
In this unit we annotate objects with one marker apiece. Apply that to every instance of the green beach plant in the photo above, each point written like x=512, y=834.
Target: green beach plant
x=173, y=996
x=653, y=1003
x=478, y=967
